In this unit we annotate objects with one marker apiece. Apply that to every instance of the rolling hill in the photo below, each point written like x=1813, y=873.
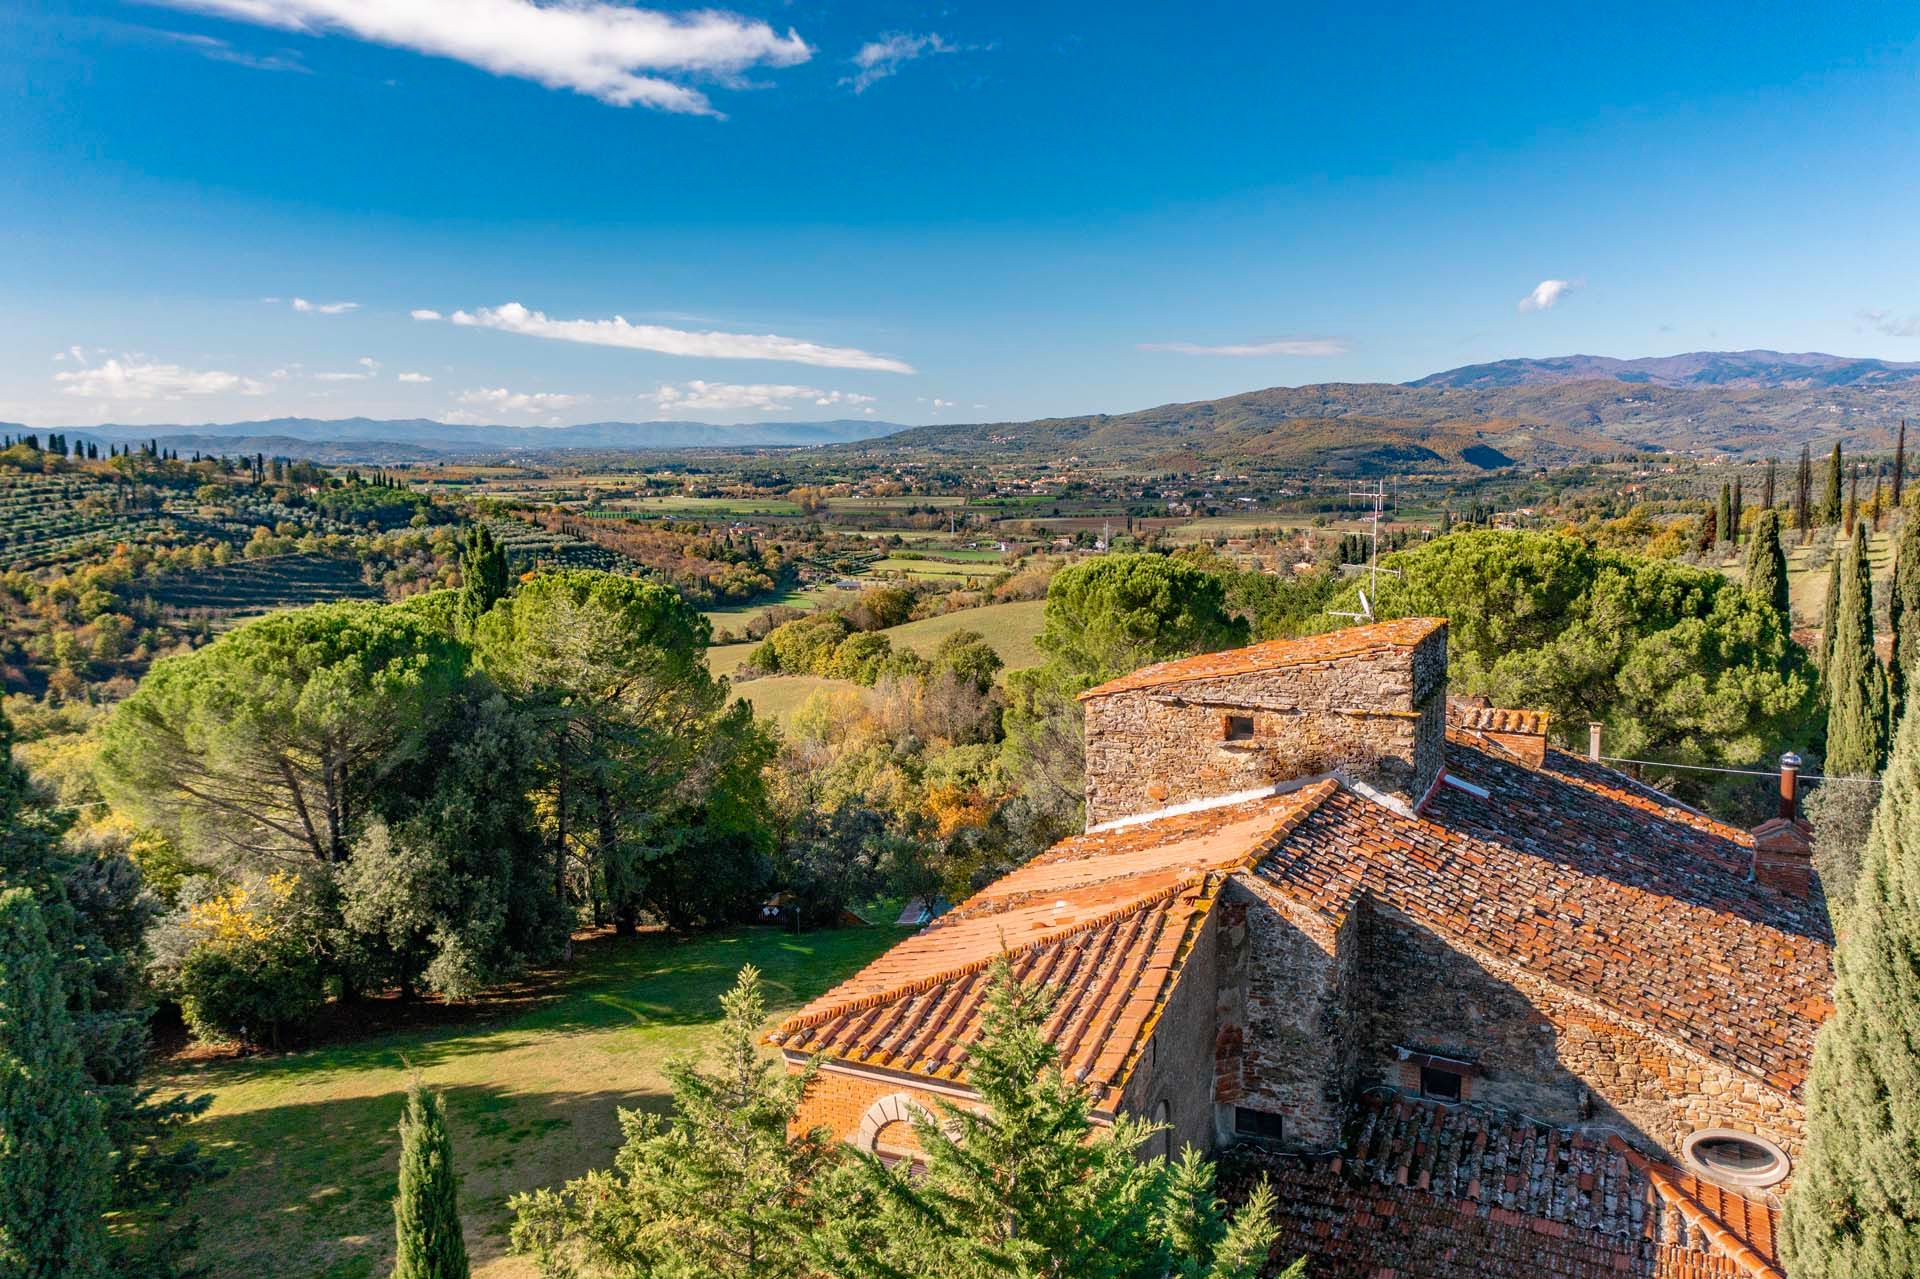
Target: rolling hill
x=1695, y=368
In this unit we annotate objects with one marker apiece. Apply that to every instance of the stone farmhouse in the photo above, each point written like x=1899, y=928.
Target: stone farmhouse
x=1477, y=1005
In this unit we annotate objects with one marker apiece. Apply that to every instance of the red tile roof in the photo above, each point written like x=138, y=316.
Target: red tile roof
x=1354, y=641
x=1495, y=719
x=1104, y=919
x=1579, y=876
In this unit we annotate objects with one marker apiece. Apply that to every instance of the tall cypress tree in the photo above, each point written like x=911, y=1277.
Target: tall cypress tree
x=1733, y=527
x=1830, y=612
x=1903, y=614
x=1856, y=682
x=1830, y=504
x=1767, y=486
x=426, y=1211
x=483, y=576
x=1851, y=517
x=53, y=1150
x=1723, y=524
x=1900, y=463
x=1767, y=565
x=1854, y=1212
x=1803, y=494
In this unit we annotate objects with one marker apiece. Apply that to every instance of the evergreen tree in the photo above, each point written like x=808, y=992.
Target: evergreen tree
x=1803, y=494
x=1900, y=463
x=1709, y=529
x=1852, y=515
x=1854, y=1212
x=53, y=1150
x=1830, y=612
x=1733, y=526
x=1767, y=488
x=1903, y=613
x=1830, y=504
x=719, y=1188
x=426, y=1211
x=483, y=576
x=1028, y=1187
x=1856, y=682
x=1767, y=564
x=1723, y=516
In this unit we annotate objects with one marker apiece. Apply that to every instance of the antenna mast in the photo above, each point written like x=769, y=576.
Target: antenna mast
x=1378, y=495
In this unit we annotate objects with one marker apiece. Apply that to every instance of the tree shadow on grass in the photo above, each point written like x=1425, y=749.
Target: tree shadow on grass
x=311, y=1184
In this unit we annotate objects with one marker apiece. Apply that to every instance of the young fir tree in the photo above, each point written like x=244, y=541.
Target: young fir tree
x=53, y=1150
x=1767, y=563
x=1854, y=1211
x=1027, y=1187
x=428, y=1240
x=1831, y=502
x=1856, y=682
x=483, y=576
x=720, y=1188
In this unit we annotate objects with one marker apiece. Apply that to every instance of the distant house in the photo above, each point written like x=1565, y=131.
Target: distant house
x=1482, y=1007
x=922, y=911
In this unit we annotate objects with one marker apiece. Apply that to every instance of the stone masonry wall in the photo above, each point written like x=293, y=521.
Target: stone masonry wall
x=1289, y=994
x=1172, y=1068
x=1380, y=717
x=1547, y=1053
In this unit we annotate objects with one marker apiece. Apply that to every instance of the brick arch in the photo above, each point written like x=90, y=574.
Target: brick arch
x=894, y=1108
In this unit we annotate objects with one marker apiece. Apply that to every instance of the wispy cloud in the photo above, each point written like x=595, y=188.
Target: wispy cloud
x=514, y=318
x=135, y=377
x=729, y=397
x=1546, y=293
x=611, y=52
x=1890, y=324
x=501, y=400
x=322, y=308
x=1298, y=347
x=221, y=51
x=369, y=368
x=413, y=377
x=878, y=59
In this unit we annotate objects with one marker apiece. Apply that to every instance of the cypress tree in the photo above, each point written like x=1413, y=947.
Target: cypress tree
x=1767, y=565
x=1852, y=515
x=426, y=1211
x=1830, y=504
x=1766, y=490
x=1803, y=494
x=1854, y=1212
x=1903, y=613
x=483, y=576
x=1723, y=524
x=1856, y=682
x=1733, y=526
x=53, y=1149
x=1900, y=463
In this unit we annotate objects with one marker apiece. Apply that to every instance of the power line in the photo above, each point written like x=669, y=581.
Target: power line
x=1744, y=772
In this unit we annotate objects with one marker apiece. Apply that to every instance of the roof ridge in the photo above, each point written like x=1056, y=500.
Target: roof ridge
x=1385, y=636
x=1730, y=1245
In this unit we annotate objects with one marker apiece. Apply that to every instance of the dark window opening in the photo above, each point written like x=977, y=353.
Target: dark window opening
x=1439, y=1085
x=1239, y=728
x=1261, y=1125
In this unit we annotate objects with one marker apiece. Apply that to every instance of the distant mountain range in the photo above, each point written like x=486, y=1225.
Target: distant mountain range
x=1695, y=368
x=421, y=439
x=1531, y=411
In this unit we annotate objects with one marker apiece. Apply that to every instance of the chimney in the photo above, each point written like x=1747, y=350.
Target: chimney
x=1783, y=845
x=1593, y=739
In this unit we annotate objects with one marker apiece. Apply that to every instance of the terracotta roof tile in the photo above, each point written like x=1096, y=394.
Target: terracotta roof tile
x=1354, y=641
x=1577, y=875
x=1103, y=919
x=1495, y=719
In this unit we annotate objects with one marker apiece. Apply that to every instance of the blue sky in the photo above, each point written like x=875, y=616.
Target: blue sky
x=227, y=209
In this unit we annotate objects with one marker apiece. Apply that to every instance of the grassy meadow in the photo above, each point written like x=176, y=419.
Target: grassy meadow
x=532, y=1078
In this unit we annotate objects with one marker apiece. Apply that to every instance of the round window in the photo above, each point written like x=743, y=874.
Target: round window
x=1741, y=1158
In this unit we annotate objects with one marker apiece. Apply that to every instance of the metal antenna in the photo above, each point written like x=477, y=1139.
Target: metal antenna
x=1378, y=494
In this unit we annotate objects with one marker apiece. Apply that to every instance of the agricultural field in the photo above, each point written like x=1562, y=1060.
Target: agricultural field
x=249, y=588
x=47, y=519
x=778, y=697
x=697, y=507
x=533, y=1078
x=1010, y=628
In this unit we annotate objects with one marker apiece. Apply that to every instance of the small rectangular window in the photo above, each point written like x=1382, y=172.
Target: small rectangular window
x=1261, y=1125
x=1239, y=728
x=1439, y=1085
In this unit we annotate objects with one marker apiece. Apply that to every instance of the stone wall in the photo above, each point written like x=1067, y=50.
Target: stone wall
x=1379, y=717
x=1545, y=1052
x=1288, y=995
x=1171, y=1069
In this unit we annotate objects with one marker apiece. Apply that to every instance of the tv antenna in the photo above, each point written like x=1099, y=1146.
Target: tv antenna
x=1371, y=592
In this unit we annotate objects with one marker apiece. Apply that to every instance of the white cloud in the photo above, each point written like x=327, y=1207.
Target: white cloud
x=424, y=314
x=730, y=397
x=501, y=400
x=1301, y=347
x=1891, y=325
x=221, y=51
x=324, y=308
x=514, y=318
x=1546, y=293
x=134, y=377
x=611, y=52
x=878, y=59
x=369, y=368
x=413, y=377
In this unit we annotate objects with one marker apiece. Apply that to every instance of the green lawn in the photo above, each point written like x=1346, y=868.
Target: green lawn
x=777, y=697
x=1010, y=628
x=531, y=1094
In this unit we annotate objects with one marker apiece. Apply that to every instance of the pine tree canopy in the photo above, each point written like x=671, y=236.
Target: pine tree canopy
x=1854, y=1211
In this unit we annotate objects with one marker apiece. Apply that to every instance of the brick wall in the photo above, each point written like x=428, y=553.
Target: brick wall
x=841, y=1101
x=1380, y=717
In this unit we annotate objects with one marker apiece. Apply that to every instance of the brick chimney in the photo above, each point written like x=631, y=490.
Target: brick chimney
x=1368, y=701
x=1783, y=844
